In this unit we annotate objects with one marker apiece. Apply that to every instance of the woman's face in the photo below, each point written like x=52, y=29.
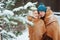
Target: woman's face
x=35, y=14
x=41, y=13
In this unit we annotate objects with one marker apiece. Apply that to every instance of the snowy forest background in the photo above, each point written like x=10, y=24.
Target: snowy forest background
x=13, y=20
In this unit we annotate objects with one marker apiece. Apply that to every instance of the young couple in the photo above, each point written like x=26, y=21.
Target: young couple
x=45, y=24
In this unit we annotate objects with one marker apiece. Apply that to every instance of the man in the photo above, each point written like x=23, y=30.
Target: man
x=36, y=32
x=50, y=20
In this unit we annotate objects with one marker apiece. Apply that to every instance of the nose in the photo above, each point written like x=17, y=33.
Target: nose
x=40, y=14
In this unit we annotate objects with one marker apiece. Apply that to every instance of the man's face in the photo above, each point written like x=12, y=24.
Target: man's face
x=41, y=13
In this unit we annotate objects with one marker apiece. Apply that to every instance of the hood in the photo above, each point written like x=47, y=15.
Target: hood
x=49, y=17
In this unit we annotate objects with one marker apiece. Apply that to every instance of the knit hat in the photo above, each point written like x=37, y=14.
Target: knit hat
x=41, y=7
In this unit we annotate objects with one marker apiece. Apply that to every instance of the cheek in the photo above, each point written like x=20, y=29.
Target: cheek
x=43, y=13
x=36, y=14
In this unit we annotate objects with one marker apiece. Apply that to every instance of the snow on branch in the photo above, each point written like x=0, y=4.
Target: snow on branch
x=29, y=4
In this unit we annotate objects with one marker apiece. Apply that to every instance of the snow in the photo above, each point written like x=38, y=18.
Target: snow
x=19, y=8
x=8, y=12
x=7, y=35
x=33, y=8
x=57, y=12
x=29, y=4
x=24, y=36
x=58, y=18
x=10, y=33
x=0, y=28
x=14, y=23
x=3, y=31
x=25, y=20
x=1, y=3
x=7, y=21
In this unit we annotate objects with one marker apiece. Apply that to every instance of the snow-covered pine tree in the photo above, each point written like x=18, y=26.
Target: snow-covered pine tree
x=13, y=21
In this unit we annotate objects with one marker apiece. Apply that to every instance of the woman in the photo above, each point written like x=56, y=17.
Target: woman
x=36, y=32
